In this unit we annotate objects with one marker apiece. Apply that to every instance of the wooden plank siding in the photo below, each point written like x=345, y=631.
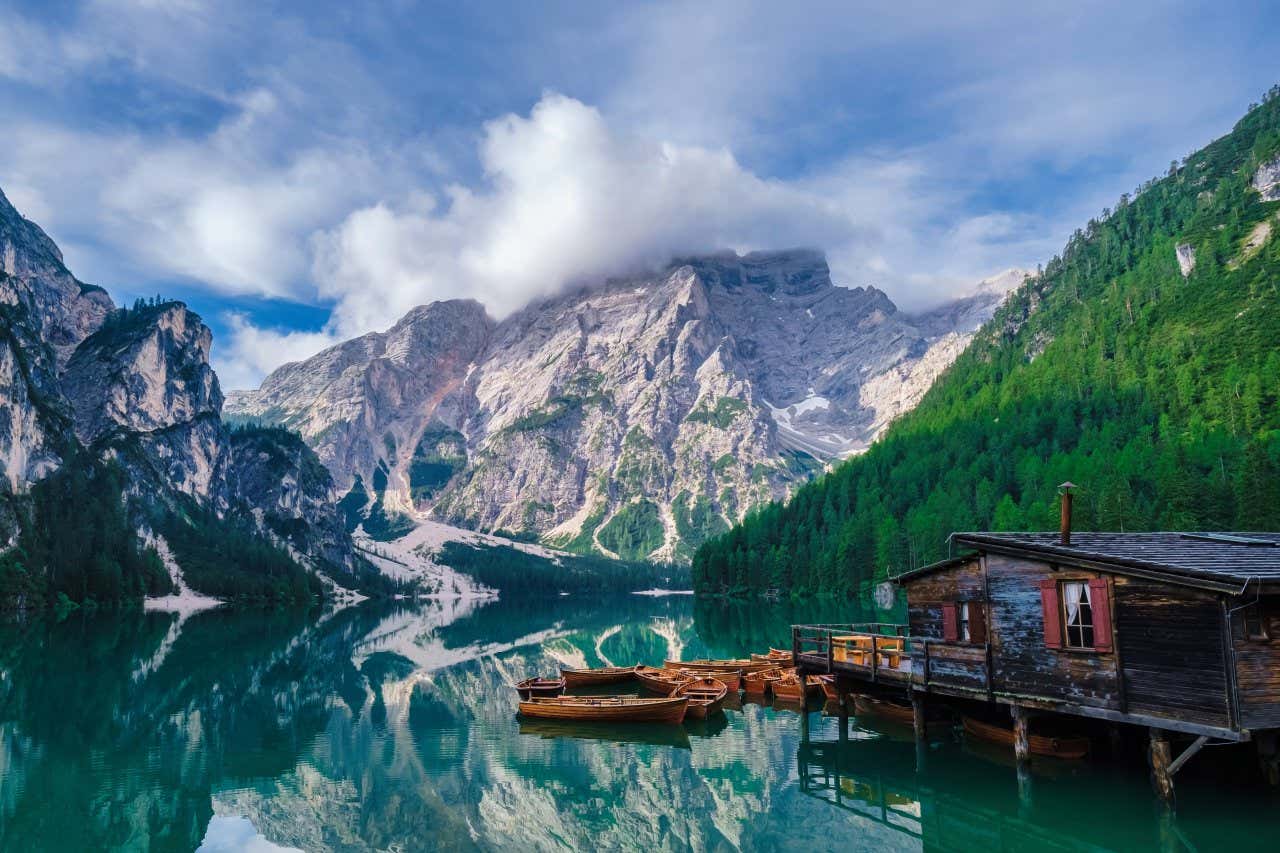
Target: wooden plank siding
x=1022, y=664
x=1258, y=668
x=1170, y=640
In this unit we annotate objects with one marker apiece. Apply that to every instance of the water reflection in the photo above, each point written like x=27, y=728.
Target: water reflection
x=385, y=727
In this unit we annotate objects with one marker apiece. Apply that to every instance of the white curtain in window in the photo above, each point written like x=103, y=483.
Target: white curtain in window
x=1075, y=593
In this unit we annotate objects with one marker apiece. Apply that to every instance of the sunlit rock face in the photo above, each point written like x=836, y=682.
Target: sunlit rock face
x=635, y=416
x=1267, y=180
x=136, y=387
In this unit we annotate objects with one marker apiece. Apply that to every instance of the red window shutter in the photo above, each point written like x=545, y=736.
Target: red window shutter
x=950, y=622
x=1052, y=613
x=1100, y=604
x=977, y=622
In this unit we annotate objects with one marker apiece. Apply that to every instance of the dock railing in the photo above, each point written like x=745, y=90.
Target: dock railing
x=886, y=652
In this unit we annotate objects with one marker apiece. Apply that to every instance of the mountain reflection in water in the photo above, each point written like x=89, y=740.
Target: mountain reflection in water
x=381, y=727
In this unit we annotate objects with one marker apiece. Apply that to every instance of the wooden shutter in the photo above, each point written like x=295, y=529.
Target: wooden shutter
x=1052, y=613
x=950, y=622
x=1100, y=605
x=977, y=622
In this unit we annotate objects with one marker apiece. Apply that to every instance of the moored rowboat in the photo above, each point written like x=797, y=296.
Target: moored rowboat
x=880, y=708
x=759, y=682
x=789, y=686
x=705, y=695
x=775, y=656
x=719, y=665
x=603, y=675
x=663, y=681
x=531, y=687
x=1072, y=746
x=813, y=685
x=615, y=709
x=828, y=683
x=731, y=679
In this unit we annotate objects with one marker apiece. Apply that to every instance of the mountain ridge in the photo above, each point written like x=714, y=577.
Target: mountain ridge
x=650, y=409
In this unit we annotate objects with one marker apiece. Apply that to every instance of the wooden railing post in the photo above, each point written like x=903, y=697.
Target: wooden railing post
x=875, y=658
x=830, y=651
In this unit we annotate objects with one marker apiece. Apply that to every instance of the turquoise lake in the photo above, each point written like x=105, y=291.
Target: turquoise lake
x=394, y=728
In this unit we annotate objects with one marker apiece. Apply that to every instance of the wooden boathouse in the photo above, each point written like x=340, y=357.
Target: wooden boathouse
x=1175, y=632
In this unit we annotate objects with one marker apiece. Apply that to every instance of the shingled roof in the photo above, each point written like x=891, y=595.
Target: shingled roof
x=1224, y=561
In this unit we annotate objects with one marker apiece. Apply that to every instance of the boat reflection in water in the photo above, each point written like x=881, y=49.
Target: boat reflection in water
x=634, y=733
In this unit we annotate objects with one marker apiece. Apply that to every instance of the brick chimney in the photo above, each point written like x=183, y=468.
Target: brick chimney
x=1064, y=530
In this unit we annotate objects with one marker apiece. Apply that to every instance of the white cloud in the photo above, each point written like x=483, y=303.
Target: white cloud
x=251, y=352
x=564, y=198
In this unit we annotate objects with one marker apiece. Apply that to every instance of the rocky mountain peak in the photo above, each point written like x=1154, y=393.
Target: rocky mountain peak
x=145, y=369
x=633, y=417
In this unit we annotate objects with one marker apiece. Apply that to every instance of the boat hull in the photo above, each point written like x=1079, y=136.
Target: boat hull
x=661, y=681
x=761, y=682
x=719, y=665
x=731, y=680
x=591, y=677
x=889, y=710
x=705, y=695
x=601, y=709
x=1070, y=747
x=789, y=687
x=531, y=687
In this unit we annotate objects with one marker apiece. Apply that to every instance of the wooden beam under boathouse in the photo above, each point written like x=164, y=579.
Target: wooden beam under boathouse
x=1177, y=633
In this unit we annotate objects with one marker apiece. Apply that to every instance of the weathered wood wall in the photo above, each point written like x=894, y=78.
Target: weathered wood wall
x=1023, y=664
x=925, y=596
x=1258, y=669
x=1170, y=640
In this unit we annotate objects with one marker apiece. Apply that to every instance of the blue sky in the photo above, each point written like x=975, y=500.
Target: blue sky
x=300, y=173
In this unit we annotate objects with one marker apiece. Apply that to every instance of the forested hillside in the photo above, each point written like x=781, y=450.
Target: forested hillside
x=1154, y=391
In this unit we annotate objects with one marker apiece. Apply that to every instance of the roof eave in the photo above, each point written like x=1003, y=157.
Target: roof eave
x=1101, y=562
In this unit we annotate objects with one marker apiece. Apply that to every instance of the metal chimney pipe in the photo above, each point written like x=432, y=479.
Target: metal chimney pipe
x=1064, y=530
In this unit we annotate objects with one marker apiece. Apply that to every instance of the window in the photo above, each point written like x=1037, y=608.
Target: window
x=964, y=622
x=1077, y=614
x=1255, y=625
x=1078, y=609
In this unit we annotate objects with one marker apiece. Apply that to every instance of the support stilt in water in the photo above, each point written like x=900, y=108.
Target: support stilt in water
x=917, y=712
x=1021, y=742
x=1116, y=738
x=1161, y=758
x=1268, y=746
x=804, y=725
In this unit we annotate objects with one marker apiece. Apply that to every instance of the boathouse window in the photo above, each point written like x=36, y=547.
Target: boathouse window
x=1255, y=626
x=964, y=622
x=1077, y=614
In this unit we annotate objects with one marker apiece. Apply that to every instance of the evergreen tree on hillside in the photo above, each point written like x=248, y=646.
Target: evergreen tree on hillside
x=1157, y=393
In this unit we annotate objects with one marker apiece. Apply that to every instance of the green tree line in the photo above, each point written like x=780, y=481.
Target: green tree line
x=1155, y=392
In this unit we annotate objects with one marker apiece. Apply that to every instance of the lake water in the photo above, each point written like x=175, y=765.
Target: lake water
x=393, y=728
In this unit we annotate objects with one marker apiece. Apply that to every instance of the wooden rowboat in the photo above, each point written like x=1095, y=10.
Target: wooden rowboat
x=705, y=695
x=813, y=685
x=531, y=687
x=603, y=675
x=1071, y=746
x=661, y=681
x=613, y=709
x=719, y=665
x=731, y=679
x=789, y=686
x=775, y=656
x=880, y=708
x=760, y=682
x=828, y=685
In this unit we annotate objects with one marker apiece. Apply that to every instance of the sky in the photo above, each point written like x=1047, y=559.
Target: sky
x=303, y=173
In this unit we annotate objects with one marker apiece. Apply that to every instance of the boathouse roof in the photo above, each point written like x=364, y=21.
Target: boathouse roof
x=1221, y=561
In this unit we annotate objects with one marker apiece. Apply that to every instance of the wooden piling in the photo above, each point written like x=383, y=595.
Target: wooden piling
x=1160, y=758
x=917, y=713
x=1021, y=741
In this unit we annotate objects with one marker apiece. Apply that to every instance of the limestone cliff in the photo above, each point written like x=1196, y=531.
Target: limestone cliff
x=635, y=416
